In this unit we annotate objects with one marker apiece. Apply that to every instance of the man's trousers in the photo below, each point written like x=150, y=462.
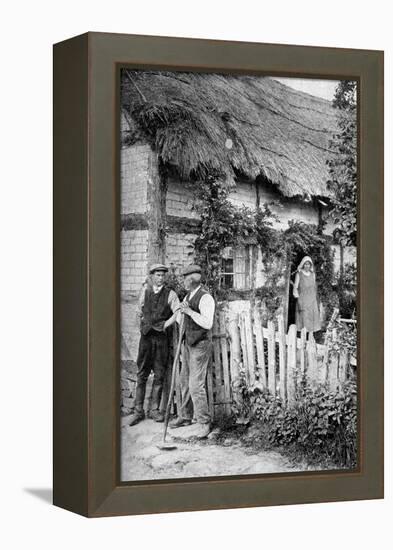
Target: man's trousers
x=153, y=356
x=193, y=382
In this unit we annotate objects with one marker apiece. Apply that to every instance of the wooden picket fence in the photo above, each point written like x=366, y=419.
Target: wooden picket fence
x=269, y=357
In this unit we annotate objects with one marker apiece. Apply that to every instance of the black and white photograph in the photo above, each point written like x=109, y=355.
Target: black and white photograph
x=238, y=262
x=194, y=227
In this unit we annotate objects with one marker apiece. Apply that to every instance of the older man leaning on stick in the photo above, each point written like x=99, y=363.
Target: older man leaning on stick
x=198, y=308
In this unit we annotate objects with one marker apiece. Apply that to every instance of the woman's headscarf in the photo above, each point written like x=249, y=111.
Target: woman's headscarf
x=304, y=260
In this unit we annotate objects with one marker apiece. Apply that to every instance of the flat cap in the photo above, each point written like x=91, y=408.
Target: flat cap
x=191, y=269
x=157, y=267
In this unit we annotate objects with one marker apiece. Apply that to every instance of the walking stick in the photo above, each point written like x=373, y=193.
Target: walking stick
x=168, y=446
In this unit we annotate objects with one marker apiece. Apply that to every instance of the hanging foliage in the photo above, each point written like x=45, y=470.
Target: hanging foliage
x=343, y=164
x=224, y=224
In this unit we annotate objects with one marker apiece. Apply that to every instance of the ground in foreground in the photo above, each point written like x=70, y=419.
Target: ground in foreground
x=143, y=460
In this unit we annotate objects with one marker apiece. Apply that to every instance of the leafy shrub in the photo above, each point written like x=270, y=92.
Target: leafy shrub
x=346, y=286
x=320, y=424
x=342, y=337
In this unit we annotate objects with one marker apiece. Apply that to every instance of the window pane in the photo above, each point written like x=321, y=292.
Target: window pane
x=228, y=281
x=239, y=268
x=227, y=273
x=227, y=265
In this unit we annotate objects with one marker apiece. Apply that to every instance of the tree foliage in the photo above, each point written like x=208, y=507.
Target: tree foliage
x=343, y=163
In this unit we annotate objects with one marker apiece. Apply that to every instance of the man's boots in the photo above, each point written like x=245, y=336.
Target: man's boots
x=155, y=412
x=180, y=422
x=203, y=431
x=137, y=417
x=157, y=415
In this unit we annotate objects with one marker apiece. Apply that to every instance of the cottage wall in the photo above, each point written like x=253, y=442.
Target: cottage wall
x=179, y=244
x=135, y=167
x=134, y=163
x=133, y=264
x=179, y=250
x=289, y=209
x=244, y=195
x=179, y=199
x=137, y=163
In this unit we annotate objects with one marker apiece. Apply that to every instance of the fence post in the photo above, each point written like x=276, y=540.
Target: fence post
x=342, y=366
x=271, y=352
x=258, y=331
x=333, y=371
x=234, y=346
x=333, y=366
x=291, y=365
x=218, y=378
x=243, y=344
x=325, y=369
x=302, y=351
x=250, y=348
x=312, y=360
x=210, y=393
x=282, y=358
x=225, y=366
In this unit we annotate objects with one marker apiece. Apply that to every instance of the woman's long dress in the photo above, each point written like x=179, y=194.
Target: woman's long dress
x=307, y=313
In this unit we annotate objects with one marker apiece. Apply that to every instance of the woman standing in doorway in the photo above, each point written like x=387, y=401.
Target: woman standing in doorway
x=305, y=290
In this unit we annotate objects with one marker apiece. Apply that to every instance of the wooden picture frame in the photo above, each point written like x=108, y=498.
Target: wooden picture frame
x=86, y=274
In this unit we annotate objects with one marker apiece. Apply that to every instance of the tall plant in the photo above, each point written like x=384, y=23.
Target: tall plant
x=343, y=163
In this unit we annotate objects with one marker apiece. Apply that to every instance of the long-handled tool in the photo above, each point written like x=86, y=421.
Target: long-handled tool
x=169, y=446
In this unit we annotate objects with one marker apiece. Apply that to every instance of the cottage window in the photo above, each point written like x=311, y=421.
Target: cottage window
x=236, y=266
x=227, y=271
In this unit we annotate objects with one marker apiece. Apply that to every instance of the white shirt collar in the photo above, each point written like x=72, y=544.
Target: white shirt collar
x=194, y=291
x=156, y=289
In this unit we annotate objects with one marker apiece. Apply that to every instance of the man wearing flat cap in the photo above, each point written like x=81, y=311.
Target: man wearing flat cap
x=159, y=306
x=198, y=308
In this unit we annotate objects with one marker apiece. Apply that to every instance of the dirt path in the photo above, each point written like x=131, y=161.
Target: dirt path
x=141, y=458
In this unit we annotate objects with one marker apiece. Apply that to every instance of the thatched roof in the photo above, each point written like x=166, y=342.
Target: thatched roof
x=275, y=132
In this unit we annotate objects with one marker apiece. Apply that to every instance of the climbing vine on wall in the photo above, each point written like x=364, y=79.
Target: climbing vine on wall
x=224, y=224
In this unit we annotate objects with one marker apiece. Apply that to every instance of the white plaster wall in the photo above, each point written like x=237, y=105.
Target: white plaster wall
x=179, y=199
x=134, y=172
x=288, y=209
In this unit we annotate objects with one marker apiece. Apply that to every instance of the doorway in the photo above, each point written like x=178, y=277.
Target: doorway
x=296, y=259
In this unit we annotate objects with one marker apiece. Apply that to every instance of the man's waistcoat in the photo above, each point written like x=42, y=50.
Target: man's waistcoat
x=155, y=310
x=194, y=332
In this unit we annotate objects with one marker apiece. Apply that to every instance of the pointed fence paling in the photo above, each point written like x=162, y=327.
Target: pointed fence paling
x=268, y=357
x=271, y=358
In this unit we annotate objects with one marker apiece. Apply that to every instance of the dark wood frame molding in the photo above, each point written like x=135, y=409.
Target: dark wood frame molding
x=86, y=274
